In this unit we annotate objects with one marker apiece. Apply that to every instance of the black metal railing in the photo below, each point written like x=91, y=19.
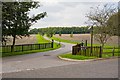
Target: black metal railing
x=26, y=47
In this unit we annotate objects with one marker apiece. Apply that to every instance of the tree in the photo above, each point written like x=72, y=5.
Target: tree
x=63, y=30
x=34, y=31
x=15, y=19
x=71, y=35
x=60, y=34
x=114, y=23
x=98, y=17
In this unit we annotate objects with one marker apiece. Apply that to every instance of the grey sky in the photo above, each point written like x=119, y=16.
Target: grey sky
x=64, y=13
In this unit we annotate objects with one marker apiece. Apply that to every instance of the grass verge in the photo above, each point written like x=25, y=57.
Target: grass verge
x=76, y=57
x=27, y=52
x=81, y=57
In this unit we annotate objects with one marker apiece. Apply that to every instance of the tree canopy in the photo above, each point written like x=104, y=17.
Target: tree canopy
x=99, y=17
x=16, y=20
x=114, y=23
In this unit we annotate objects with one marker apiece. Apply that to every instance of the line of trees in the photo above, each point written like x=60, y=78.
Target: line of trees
x=60, y=30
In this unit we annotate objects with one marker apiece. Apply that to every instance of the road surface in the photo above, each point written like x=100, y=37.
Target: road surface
x=94, y=69
x=48, y=65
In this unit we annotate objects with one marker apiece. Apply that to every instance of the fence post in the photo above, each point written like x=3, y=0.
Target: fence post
x=31, y=46
x=52, y=43
x=73, y=50
x=39, y=46
x=12, y=48
x=85, y=42
x=85, y=50
x=22, y=48
x=100, y=54
x=45, y=45
x=113, y=51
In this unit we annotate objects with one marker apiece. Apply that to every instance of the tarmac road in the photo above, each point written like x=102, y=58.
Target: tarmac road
x=93, y=69
x=48, y=65
x=36, y=60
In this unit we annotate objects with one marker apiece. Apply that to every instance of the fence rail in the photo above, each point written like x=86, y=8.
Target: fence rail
x=26, y=47
x=80, y=49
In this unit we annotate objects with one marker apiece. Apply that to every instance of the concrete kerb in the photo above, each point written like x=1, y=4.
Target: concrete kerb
x=73, y=60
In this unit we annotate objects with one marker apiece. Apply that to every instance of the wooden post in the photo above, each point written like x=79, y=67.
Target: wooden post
x=39, y=46
x=73, y=50
x=12, y=48
x=91, y=40
x=45, y=45
x=85, y=42
x=31, y=46
x=100, y=54
x=113, y=51
x=22, y=48
x=52, y=43
x=85, y=50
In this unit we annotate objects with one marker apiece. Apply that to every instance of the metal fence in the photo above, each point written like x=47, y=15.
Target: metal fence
x=26, y=47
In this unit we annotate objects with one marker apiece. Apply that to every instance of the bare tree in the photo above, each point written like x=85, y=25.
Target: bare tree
x=98, y=17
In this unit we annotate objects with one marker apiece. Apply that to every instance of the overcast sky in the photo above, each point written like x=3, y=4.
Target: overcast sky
x=63, y=13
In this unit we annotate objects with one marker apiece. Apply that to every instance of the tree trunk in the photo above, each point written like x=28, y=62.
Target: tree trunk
x=12, y=48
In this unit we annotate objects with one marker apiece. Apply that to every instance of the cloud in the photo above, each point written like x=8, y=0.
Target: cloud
x=64, y=13
x=56, y=1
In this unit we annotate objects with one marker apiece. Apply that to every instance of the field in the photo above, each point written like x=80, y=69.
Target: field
x=25, y=40
x=40, y=39
x=79, y=37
